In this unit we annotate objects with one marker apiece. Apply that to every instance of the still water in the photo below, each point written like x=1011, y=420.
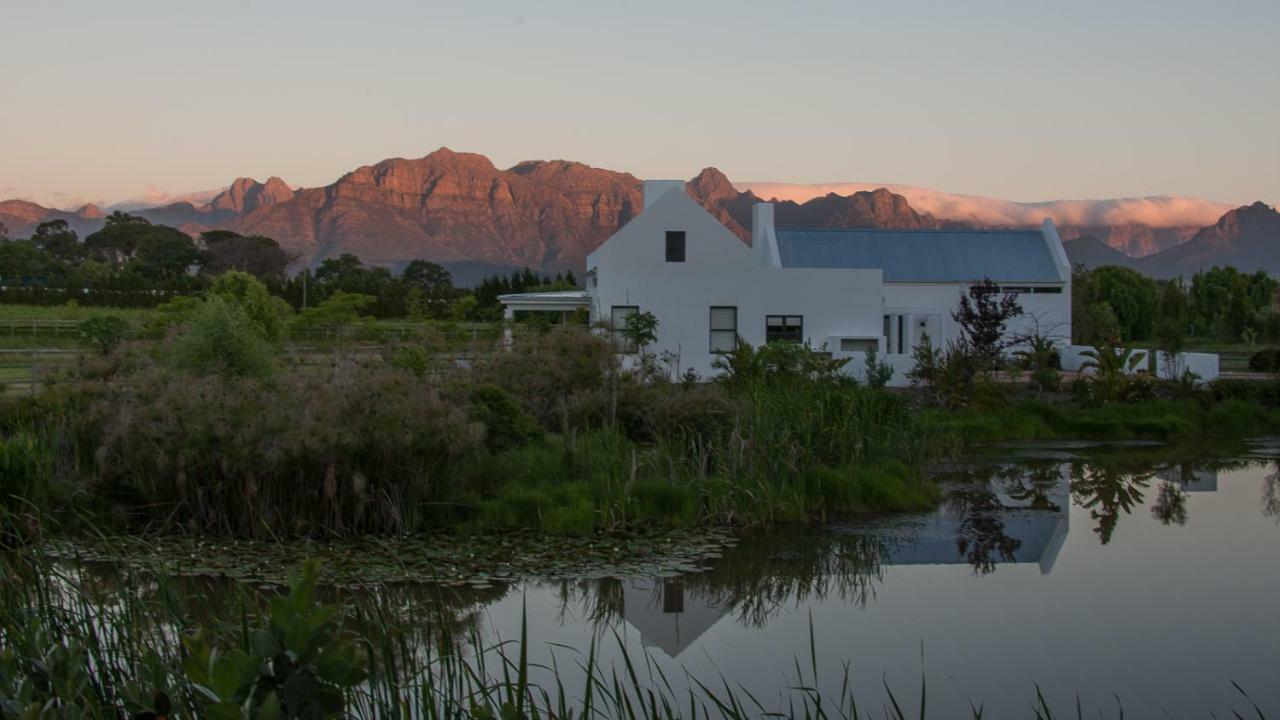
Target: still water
x=1090, y=572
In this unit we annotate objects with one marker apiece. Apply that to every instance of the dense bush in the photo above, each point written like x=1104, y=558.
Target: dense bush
x=1265, y=361
x=222, y=337
x=352, y=450
x=104, y=332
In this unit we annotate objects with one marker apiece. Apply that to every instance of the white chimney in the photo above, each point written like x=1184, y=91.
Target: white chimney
x=764, y=243
x=654, y=189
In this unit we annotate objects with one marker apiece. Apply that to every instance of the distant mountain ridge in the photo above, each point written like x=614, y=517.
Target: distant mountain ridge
x=458, y=208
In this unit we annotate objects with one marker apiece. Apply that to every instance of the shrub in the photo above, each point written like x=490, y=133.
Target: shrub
x=876, y=374
x=104, y=332
x=1265, y=361
x=265, y=310
x=507, y=425
x=362, y=450
x=221, y=338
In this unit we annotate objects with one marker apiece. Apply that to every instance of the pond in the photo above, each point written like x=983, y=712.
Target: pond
x=1140, y=576
x=1090, y=572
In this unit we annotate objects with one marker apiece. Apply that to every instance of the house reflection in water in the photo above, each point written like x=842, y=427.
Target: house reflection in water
x=668, y=615
x=1001, y=517
x=1192, y=479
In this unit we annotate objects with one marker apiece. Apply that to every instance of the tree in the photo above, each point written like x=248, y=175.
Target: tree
x=104, y=332
x=430, y=288
x=56, y=239
x=982, y=315
x=1132, y=297
x=161, y=252
x=257, y=255
x=1041, y=358
x=265, y=310
x=221, y=338
x=164, y=253
x=640, y=330
x=4, y=232
x=20, y=258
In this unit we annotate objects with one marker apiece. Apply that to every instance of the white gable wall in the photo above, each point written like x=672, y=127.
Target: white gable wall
x=630, y=269
x=720, y=270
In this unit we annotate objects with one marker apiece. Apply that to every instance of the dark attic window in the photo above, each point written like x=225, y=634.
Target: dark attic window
x=675, y=246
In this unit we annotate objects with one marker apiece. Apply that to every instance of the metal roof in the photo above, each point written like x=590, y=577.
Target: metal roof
x=923, y=255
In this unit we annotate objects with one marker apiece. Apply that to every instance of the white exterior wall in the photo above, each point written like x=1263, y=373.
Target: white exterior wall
x=1204, y=365
x=630, y=269
x=933, y=304
x=720, y=270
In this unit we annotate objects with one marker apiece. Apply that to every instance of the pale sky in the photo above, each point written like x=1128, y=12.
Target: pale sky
x=1019, y=100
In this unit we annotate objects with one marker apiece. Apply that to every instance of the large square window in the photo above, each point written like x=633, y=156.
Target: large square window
x=675, y=246
x=783, y=328
x=724, y=329
x=618, y=321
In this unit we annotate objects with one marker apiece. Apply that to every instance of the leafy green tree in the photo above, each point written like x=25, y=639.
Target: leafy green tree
x=1132, y=297
x=257, y=255
x=340, y=309
x=221, y=338
x=58, y=240
x=154, y=252
x=104, y=332
x=267, y=311
x=429, y=289
x=21, y=258
x=164, y=253
x=983, y=314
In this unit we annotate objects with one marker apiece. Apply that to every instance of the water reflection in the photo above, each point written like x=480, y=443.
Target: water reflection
x=993, y=584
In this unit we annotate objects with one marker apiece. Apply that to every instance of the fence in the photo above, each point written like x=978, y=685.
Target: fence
x=22, y=372
x=38, y=327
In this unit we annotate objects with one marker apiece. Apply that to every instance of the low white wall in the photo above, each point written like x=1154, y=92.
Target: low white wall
x=1204, y=365
x=857, y=366
x=1073, y=359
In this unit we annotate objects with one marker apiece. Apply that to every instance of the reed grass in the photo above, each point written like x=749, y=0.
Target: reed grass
x=69, y=649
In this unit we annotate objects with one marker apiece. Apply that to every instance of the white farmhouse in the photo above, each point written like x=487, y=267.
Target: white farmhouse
x=847, y=291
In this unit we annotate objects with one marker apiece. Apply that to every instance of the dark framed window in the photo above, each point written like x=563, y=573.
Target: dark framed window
x=618, y=321
x=672, y=596
x=675, y=246
x=1049, y=290
x=724, y=329
x=785, y=328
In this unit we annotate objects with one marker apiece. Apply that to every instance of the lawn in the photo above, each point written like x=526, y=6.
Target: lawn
x=11, y=312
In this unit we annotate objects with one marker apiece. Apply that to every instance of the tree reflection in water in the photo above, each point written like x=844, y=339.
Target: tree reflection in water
x=1170, y=506
x=1108, y=491
x=758, y=578
x=1271, y=495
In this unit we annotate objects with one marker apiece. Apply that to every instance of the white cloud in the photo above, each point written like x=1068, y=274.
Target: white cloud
x=1159, y=211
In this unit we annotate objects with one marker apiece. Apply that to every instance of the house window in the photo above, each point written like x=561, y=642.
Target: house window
x=902, y=334
x=1047, y=290
x=618, y=321
x=724, y=329
x=786, y=328
x=672, y=596
x=675, y=246
x=862, y=345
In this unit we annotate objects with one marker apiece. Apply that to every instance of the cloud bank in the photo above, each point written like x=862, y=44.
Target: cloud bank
x=1160, y=211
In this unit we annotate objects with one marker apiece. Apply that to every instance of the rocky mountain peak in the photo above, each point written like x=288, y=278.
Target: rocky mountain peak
x=244, y=195
x=710, y=183
x=89, y=211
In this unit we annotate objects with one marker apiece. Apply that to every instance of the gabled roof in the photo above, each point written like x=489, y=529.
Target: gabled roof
x=923, y=255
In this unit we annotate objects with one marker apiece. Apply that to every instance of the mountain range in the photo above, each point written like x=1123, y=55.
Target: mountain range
x=462, y=211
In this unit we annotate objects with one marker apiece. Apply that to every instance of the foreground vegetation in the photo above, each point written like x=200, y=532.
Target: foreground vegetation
x=210, y=425
x=68, y=652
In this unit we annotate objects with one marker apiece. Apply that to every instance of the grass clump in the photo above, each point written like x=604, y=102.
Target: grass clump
x=1162, y=420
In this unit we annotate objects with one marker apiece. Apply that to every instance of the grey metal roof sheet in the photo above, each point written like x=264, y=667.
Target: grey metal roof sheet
x=923, y=255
